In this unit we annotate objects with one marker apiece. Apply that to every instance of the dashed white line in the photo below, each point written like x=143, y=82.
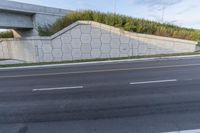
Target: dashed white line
x=151, y=82
x=58, y=88
x=186, y=131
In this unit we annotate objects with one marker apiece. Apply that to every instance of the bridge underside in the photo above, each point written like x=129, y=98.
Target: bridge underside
x=24, y=19
x=15, y=20
x=21, y=23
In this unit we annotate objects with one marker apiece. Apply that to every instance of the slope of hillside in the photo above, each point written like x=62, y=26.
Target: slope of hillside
x=6, y=34
x=124, y=22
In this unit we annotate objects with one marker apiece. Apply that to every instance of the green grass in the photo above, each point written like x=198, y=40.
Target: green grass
x=92, y=60
x=124, y=22
x=6, y=34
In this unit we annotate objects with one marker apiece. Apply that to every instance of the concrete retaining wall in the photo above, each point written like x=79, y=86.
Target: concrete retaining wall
x=89, y=40
x=4, y=50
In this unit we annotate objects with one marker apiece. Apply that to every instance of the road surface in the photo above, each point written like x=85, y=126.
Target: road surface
x=130, y=97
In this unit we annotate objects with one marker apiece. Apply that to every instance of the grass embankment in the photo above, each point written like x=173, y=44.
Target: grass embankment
x=6, y=34
x=124, y=22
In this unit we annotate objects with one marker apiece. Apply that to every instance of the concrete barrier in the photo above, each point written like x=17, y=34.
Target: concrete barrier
x=90, y=40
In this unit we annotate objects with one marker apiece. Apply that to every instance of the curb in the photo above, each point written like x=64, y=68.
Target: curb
x=101, y=62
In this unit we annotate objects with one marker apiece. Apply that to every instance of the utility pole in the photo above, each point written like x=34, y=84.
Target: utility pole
x=114, y=10
x=163, y=11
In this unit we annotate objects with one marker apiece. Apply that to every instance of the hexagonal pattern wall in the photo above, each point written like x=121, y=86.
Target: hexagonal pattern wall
x=90, y=40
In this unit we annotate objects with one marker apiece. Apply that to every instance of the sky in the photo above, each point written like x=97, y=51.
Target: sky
x=184, y=13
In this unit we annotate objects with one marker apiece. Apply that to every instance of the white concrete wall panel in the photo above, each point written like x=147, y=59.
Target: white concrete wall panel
x=4, y=52
x=90, y=40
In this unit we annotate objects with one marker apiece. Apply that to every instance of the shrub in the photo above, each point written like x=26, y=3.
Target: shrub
x=6, y=34
x=124, y=22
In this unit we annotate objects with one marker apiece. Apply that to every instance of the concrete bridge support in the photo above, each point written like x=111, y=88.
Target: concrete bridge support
x=24, y=19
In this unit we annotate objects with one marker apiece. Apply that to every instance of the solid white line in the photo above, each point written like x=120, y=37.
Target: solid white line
x=151, y=82
x=100, y=62
x=59, y=88
x=99, y=71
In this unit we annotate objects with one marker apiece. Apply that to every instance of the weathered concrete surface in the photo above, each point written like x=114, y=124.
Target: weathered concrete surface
x=25, y=18
x=90, y=40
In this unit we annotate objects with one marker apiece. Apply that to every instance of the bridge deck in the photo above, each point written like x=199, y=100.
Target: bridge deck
x=25, y=18
x=29, y=8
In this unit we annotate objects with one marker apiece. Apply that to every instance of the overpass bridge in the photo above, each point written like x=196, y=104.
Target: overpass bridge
x=25, y=18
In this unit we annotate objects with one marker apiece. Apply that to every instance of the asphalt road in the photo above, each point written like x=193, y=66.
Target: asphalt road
x=130, y=97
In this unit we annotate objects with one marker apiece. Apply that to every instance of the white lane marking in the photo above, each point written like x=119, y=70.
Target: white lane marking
x=98, y=71
x=186, y=131
x=151, y=82
x=58, y=88
x=107, y=61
